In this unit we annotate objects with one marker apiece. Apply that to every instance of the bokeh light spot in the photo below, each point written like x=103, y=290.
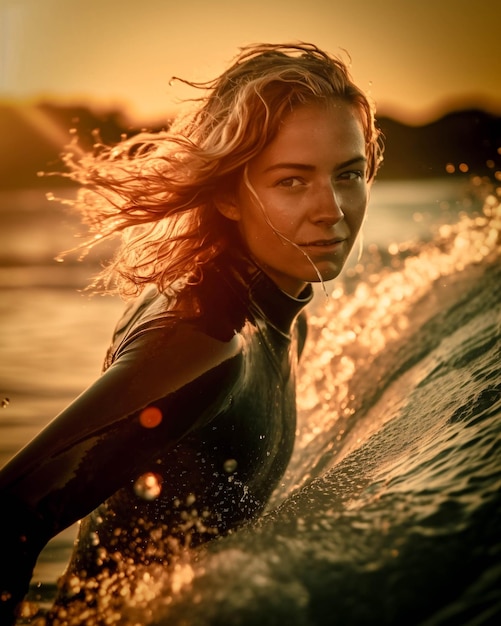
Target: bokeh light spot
x=230, y=466
x=150, y=417
x=148, y=486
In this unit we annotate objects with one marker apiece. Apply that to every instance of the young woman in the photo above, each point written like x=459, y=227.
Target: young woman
x=226, y=220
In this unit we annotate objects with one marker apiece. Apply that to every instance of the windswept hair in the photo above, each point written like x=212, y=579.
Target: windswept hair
x=160, y=191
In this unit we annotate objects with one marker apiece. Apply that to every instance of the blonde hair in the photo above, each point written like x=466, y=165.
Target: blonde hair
x=161, y=190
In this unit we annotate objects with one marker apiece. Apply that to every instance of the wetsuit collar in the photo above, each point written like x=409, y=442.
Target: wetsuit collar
x=264, y=298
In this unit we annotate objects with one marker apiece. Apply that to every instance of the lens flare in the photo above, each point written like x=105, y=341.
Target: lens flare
x=150, y=417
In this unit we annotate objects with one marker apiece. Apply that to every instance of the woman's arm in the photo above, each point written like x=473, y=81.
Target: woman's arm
x=101, y=441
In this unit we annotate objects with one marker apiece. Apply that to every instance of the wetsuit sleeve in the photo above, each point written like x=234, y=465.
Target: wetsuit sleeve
x=104, y=439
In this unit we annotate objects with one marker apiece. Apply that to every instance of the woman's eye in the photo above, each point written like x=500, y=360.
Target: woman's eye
x=290, y=182
x=352, y=175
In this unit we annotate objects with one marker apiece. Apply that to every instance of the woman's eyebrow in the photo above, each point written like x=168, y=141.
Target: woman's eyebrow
x=307, y=167
x=358, y=159
x=290, y=166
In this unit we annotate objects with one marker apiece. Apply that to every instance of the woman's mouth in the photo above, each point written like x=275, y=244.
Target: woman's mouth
x=323, y=243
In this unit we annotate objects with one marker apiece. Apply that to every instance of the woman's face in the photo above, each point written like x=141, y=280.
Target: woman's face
x=309, y=184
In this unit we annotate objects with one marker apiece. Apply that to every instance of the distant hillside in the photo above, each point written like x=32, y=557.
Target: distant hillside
x=470, y=137
x=32, y=139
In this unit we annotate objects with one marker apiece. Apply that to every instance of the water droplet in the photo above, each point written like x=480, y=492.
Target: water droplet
x=148, y=486
x=230, y=466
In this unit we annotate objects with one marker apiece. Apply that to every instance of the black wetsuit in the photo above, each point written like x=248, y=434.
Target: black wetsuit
x=215, y=369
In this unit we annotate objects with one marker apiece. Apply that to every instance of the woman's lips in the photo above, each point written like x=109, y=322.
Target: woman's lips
x=323, y=243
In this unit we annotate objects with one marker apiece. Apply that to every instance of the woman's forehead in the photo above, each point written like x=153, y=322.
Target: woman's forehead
x=311, y=130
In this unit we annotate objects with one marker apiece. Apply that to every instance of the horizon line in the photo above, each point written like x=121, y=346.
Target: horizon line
x=133, y=117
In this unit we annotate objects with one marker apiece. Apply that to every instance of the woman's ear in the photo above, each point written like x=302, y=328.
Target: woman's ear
x=228, y=207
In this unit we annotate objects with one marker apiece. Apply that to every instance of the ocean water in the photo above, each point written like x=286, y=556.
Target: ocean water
x=390, y=511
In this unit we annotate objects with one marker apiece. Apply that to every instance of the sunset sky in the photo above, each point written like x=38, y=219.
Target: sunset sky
x=416, y=58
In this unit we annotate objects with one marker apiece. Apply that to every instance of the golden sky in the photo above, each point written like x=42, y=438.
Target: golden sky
x=417, y=58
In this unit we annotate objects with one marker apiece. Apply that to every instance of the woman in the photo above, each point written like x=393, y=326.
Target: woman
x=226, y=219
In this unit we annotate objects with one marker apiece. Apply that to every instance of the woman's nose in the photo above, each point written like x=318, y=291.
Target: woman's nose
x=328, y=206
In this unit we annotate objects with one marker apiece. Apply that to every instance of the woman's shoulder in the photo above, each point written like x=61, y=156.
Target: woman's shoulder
x=167, y=323
x=151, y=309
